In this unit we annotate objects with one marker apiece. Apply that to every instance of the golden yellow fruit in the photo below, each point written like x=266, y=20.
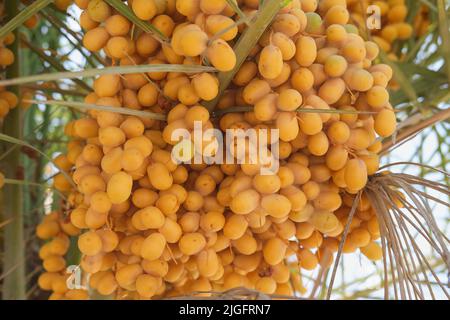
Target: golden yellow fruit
x=126, y=276
x=274, y=251
x=144, y=9
x=216, y=23
x=288, y=126
x=98, y=10
x=276, y=205
x=306, y=51
x=107, y=284
x=307, y=259
x=6, y=57
x=192, y=243
x=171, y=230
x=221, y=55
x=235, y=227
x=208, y=263
x=109, y=239
x=289, y=100
x=324, y=221
x=286, y=23
x=159, y=176
x=372, y=251
x=245, y=202
x=147, y=285
x=153, y=246
x=385, y=123
x=95, y=39
x=90, y=243
x=119, y=187
x=212, y=221
x=47, y=230
x=338, y=132
x=270, y=62
x=148, y=218
x=318, y=144
x=266, y=285
x=355, y=174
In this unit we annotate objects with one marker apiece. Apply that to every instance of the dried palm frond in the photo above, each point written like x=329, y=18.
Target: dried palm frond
x=407, y=227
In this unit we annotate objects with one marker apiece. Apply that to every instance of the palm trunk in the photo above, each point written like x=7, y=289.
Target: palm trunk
x=14, y=285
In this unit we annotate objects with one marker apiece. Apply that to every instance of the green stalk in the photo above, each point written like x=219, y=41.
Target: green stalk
x=90, y=73
x=233, y=4
x=14, y=285
x=21, y=16
x=87, y=106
